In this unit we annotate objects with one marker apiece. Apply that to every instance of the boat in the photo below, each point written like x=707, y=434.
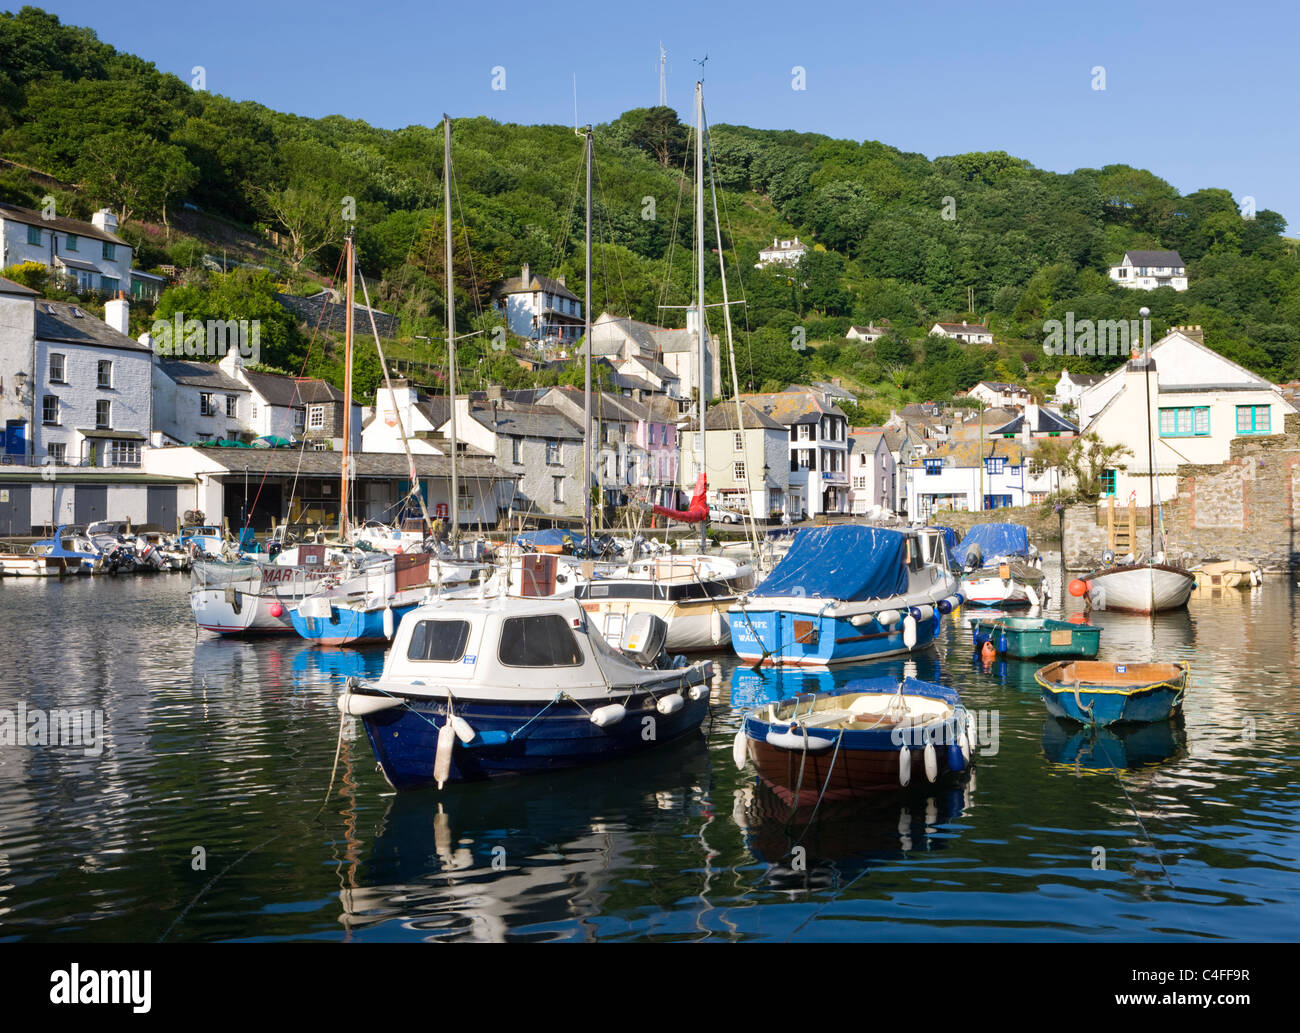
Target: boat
x=250, y=597
x=1219, y=574
x=368, y=606
x=68, y=551
x=1000, y=567
x=845, y=593
x=874, y=734
x=1096, y=693
x=476, y=689
x=1030, y=637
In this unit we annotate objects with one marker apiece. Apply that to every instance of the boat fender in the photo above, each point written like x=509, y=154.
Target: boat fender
x=1256, y=578
x=442, y=755
x=931, y=761
x=888, y=617
x=958, y=599
x=670, y=704
x=1034, y=600
x=956, y=759
x=904, y=766
x=277, y=611
x=944, y=606
x=739, y=749
x=921, y=613
x=604, y=717
x=969, y=733
x=715, y=626
x=987, y=652
x=699, y=692
x=862, y=618
x=794, y=739
x=388, y=623
x=1078, y=588
x=1002, y=643
x=463, y=729
x=909, y=631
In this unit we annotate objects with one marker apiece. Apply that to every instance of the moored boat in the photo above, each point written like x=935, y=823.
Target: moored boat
x=1000, y=567
x=1220, y=574
x=478, y=689
x=1096, y=693
x=1140, y=587
x=845, y=593
x=871, y=735
x=1029, y=637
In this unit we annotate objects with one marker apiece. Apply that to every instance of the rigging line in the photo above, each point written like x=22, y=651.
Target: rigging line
x=469, y=253
x=600, y=184
x=682, y=180
x=1133, y=807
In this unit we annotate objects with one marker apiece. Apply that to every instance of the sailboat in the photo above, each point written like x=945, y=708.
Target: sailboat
x=691, y=593
x=1146, y=585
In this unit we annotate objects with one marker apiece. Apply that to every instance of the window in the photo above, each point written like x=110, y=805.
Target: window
x=56, y=369
x=232, y=406
x=254, y=409
x=316, y=417
x=544, y=641
x=50, y=410
x=1037, y=497
x=299, y=418
x=1108, y=479
x=1187, y=422
x=738, y=471
x=108, y=284
x=517, y=451
x=72, y=242
x=34, y=235
x=737, y=442
x=103, y=414
x=997, y=501
x=552, y=453
x=557, y=489
x=464, y=500
x=805, y=432
x=105, y=373
x=57, y=453
x=1252, y=419
x=110, y=252
x=441, y=641
x=206, y=407
x=124, y=453
x=933, y=466
x=994, y=464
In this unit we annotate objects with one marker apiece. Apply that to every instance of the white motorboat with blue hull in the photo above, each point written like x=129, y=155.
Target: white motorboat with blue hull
x=846, y=594
x=1000, y=567
x=478, y=689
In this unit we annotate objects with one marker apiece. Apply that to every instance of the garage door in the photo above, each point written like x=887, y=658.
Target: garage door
x=162, y=507
x=15, y=509
x=91, y=504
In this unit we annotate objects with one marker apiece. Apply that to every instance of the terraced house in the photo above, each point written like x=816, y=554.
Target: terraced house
x=818, y=440
x=82, y=256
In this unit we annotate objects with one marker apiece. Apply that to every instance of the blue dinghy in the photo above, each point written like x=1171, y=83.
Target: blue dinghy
x=1096, y=693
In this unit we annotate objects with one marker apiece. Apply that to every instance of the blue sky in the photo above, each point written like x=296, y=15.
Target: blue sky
x=1201, y=94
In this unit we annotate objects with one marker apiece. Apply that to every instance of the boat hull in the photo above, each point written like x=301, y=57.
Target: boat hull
x=348, y=626
x=1140, y=589
x=246, y=613
x=540, y=737
x=783, y=637
x=1091, y=701
x=39, y=566
x=1028, y=639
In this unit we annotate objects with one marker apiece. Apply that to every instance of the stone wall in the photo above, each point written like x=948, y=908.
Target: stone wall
x=1043, y=524
x=1246, y=508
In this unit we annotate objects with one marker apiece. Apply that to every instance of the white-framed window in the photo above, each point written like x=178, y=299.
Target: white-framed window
x=315, y=417
x=299, y=419
x=56, y=368
x=103, y=414
x=464, y=500
x=738, y=471
x=738, y=442
x=124, y=453
x=805, y=432
x=50, y=410
x=206, y=406
x=232, y=406
x=57, y=451
x=254, y=409
x=105, y=373
x=553, y=456
x=557, y=489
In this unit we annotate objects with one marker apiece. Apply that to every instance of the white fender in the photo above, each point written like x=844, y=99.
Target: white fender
x=904, y=766
x=931, y=761
x=355, y=705
x=464, y=730
x=909, y=631
x=442, y=756
x=888, y=617
x=740, y=749
x=1032, y=595
x=861, y=619
x=926, y=612
x=797, y=741
x=608, y=715
x=388, y=623
x=699, y=692
x=715, y=626
x=670, y=704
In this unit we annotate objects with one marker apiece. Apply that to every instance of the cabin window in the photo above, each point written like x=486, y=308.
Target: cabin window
x=1252, y=419
x=543, y=641
x=442, y=641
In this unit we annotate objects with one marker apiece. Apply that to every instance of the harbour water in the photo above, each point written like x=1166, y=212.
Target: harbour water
x=203, y=814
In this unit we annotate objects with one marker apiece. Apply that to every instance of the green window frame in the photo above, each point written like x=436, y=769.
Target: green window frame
x=1254, y=419
x=1109, y=479
x=1191, y=421
x=110, y=252
x=34, y=235
x=72, y=242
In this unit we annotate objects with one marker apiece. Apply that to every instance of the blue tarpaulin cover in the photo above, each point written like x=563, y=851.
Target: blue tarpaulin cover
x=911, y=687
x=550, y=536
x=849, y=562
x=950, y=537
x=996, y=542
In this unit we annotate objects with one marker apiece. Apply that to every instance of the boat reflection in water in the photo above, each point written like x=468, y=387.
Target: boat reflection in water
x=1161, y=637
x=752, y=686
x=314, y=666
x=814, y=851
x=539, y=859
x=1084, y=750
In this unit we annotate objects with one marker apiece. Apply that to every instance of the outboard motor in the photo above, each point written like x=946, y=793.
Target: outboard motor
x=974, y=557
x=644, y=636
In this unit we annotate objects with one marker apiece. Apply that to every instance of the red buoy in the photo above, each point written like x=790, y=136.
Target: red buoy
x=277, y=610
x=1078, y=588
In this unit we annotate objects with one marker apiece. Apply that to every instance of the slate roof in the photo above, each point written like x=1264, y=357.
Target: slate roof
x=310, y=463
x=723, y=417
x=793, y=407
x=1156, y=258
x=9, y=287
x=279, y=389
x=1048, y=422
x=67, y=323
x=968, y=453
x=199, y=374
x=529, y=421
x=516, y=285
x=74, y=226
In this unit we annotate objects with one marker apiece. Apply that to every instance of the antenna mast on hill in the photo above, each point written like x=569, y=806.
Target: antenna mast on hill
x=663, y=76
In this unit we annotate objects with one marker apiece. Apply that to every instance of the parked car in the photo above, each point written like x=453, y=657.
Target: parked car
x=717, y=515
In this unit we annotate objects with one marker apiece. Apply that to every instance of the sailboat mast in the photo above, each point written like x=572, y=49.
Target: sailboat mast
x=586, y=394
x=451, y=322
x=347, y=390
x=702, y=405
x=1151, y=463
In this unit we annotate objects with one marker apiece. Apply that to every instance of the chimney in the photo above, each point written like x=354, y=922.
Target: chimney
x=494, y=392
x=104, y=220
x=524, y=278
x=560, y=280
x=835, y=381
x=117, y=313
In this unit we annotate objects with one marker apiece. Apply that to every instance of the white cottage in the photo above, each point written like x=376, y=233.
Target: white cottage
x=1147, y=270
x=83, y=256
